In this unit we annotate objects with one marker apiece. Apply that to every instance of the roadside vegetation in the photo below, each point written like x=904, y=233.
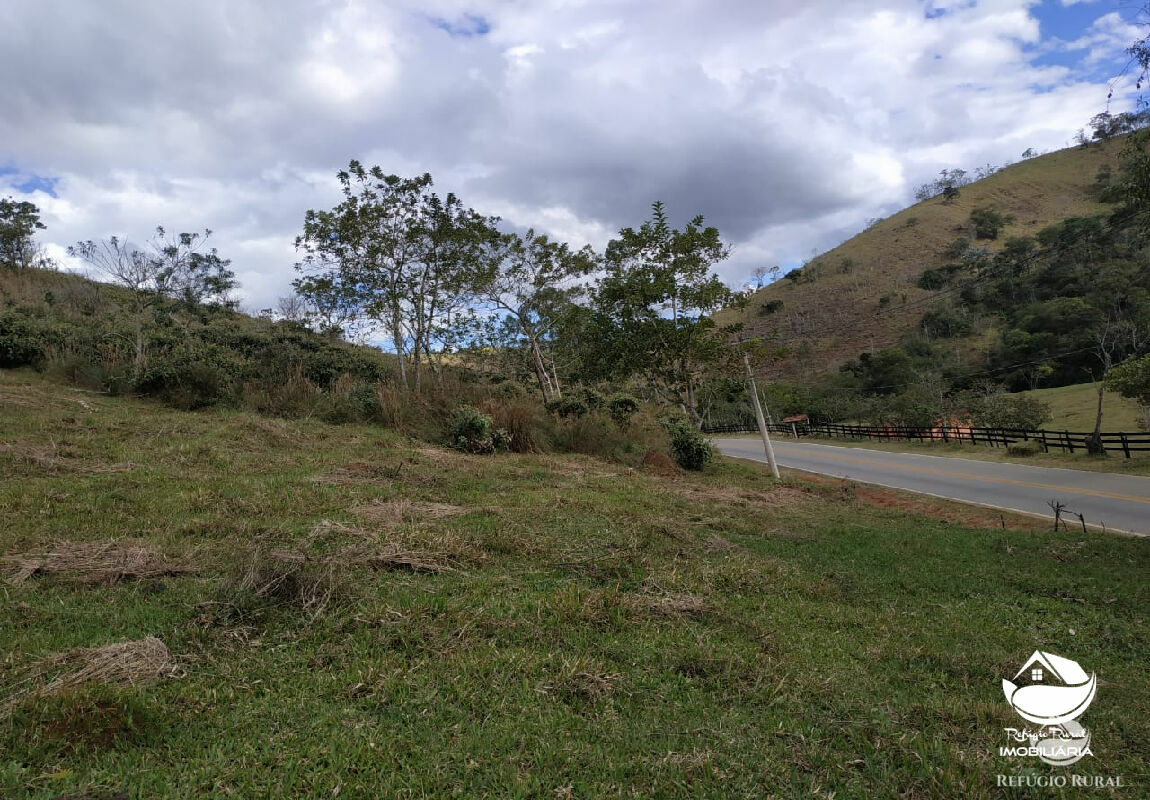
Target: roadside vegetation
x=219, y=602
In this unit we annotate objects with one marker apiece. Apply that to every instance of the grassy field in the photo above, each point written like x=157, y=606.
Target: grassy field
x=1073, y=408
x=370, y=616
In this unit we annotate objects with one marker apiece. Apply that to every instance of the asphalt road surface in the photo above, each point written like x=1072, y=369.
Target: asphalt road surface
x=1120, y=502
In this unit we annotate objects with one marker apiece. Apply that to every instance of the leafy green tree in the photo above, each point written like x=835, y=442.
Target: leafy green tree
x=882, y=373
x=651, y=308
x=396, y=254
x=987, y=222
x=19, y=222
x=994, y=408
x=1131, y=379
x=533, y=289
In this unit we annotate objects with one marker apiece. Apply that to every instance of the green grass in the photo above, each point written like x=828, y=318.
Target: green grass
x=1074, y=408
x=821, y=647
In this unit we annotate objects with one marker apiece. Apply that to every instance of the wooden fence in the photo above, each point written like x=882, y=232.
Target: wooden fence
x=1069, y=441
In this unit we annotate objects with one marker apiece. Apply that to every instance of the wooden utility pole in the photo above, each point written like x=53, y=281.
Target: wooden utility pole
x=759, y=418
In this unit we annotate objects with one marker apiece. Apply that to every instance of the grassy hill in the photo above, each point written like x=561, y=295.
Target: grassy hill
x=863, y=294
x=215, y=603
x=1073, y=408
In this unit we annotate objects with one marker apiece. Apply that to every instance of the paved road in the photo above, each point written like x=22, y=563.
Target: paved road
x=1119, y=501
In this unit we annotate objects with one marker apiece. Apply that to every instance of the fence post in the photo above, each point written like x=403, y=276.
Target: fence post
x=1069, y=444
x=1125, y=445
x=1045, y=449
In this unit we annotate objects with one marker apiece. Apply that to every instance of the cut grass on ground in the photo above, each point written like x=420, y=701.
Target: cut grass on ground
x=601, y=632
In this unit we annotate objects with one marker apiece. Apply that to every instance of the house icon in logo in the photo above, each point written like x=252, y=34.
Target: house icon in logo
x=1055, y=690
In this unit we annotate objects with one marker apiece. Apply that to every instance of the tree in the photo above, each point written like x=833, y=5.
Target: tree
x=395, y=253
x=19, y=222
x=533, y=288
x=994, y=408
x=169, y=268
x=987, y=222
x=651, y=307
x=1131, y=379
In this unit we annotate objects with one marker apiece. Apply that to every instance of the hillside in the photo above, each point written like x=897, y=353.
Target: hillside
x=863, y=294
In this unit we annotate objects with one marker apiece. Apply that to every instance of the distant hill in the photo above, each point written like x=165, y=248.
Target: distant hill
x=864, y=294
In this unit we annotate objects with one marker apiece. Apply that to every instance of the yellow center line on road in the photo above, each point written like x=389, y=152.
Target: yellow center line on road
x=919, y=470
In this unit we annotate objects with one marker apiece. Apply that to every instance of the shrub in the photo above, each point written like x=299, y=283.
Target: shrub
x=523, y=422
x=987, y=222
x=945, y=321
x=957, y=248
x=593, y=399
x=931, y=280
x=1022, y=449
x=1001, y=410
x=472, y=431
x=185, y=385
x=22, y=341
x=689, y=447
x=568, y=406
x=622, y=407
x=770, y=307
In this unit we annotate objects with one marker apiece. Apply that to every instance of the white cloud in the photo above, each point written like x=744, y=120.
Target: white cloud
x=787, y=123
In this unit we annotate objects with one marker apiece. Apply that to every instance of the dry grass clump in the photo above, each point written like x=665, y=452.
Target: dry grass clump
x=660, y=463
x=717, y=544
x=778, y=497
x=396, y=512
x=580, y=681
x=670, y=605
x=408, y=545
x=288, y=579
x=94, y=562
x=50, y=459
x=120, y=664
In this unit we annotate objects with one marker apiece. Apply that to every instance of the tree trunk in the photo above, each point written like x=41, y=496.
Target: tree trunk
x=541, y=371
x=555, y=377
x=1094, y=443
x=397, y=339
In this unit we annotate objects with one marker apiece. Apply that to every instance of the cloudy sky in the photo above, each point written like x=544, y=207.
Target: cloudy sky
x=787, y=123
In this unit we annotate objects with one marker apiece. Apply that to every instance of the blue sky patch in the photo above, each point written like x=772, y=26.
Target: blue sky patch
x=1062, y=24
x=466, y=27
x=30, y=183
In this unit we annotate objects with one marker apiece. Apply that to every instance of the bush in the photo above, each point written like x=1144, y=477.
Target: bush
x=689, y=447
x=944, y=321
x=1022, y=449
x=472, y=431
x=591, y=398
x=987, y=222
x=22, y=341
x=770, y=307
x=523, y=422
x=568, y=406
x=188, y=385
x=931, y=280
x=1001, y=410
x=957, y=248
x=622, y=407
